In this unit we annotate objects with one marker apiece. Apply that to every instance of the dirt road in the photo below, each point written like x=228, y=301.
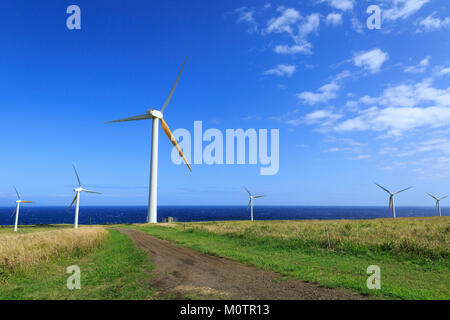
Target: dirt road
x=181, y=271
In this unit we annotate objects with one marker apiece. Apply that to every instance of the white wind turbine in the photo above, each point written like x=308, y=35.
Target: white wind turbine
x=391, y=198
x=77, y=197
x=438, y=203
x=250, y=202
x=156, y=115
x=16, y=211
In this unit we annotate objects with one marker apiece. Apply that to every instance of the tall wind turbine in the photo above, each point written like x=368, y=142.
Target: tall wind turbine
x=77, y=197
x=438, y=203
x=16, y=211
x=250, y=202
x=156, y=115
x=391, y=198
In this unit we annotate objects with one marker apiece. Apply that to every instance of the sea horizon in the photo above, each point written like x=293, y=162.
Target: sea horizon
x=192, y=213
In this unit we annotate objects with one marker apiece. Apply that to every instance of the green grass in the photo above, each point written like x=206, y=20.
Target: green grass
x=115, y=270
x=403, y=276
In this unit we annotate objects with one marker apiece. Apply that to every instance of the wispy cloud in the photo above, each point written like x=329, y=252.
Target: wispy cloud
x=282, y=70
x=323, y=94
x=419, y=68
x=334, y=19
x=305, y=48
x=246, y=16
x=344, y=5
x=402, y=9
x=431, y=23
x=370, y=60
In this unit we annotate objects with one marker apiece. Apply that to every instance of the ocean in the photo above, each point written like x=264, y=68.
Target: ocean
x=137, y=214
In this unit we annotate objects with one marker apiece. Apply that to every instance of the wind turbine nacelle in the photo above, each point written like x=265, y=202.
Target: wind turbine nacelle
x=155, y=113
x=78, y=189
x=18, y=201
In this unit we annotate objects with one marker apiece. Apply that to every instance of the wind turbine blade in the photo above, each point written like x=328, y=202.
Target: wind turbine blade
x=383, y=188
x=432, y=196
x=17, y=192
x=173, y=88
x=78, y=177
x=403, y=190
x=169, y=134
x=28, y=201
x=74, y=199
x=444, y=197
x=249, y=202
x=258, y=196
x=89, y=191
x=135, y=118
x=14, y=212
x=249, y=193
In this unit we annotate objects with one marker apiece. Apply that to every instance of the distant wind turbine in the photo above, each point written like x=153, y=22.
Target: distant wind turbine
x=391, y=198
x=250, y=202
x=16, y=211
x=77, y=197
x=156, y=115
x=438, y=203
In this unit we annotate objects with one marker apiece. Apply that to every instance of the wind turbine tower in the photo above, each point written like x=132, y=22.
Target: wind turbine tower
x=156, y=116
x=250, y=202
x=16, y=211
x=391, y=198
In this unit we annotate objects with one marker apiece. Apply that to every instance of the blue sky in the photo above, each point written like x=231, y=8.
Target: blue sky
x=353, y=105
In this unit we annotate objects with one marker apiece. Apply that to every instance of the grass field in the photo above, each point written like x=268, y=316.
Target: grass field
x=111, y=269
x=411, y=252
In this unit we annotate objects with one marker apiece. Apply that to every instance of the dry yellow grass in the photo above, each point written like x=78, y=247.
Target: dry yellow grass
x=426, y=236
x=22, y=250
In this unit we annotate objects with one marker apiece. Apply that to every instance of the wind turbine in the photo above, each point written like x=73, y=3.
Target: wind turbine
x=391, y=198
x=438, y=203
x=16, y=211
x=250, y=202
x=77, y=197
x=156, y=115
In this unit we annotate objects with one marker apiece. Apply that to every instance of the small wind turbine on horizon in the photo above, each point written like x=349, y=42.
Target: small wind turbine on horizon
x=250, y=202
x=391, y=198
x=156, y=115
x=77, y=197
x=438, y=203
x=16, y=211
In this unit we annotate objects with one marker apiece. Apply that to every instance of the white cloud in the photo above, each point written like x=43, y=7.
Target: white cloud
x=444, y=71
x=324, y=94
x=334, y=19
x=343, y=5
x=284, y=22
x=321, y=115
x=402, y=9
x=412, y=95
x=357, y=26
x=397, y=120
x=282, y=70
x=402, y=112
x=421, y=67
x=310, y=25
x=290, y=21
x=304, y=48
x=246, y=16
x=431, y=23
x=360, y=157
x=371, y=60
